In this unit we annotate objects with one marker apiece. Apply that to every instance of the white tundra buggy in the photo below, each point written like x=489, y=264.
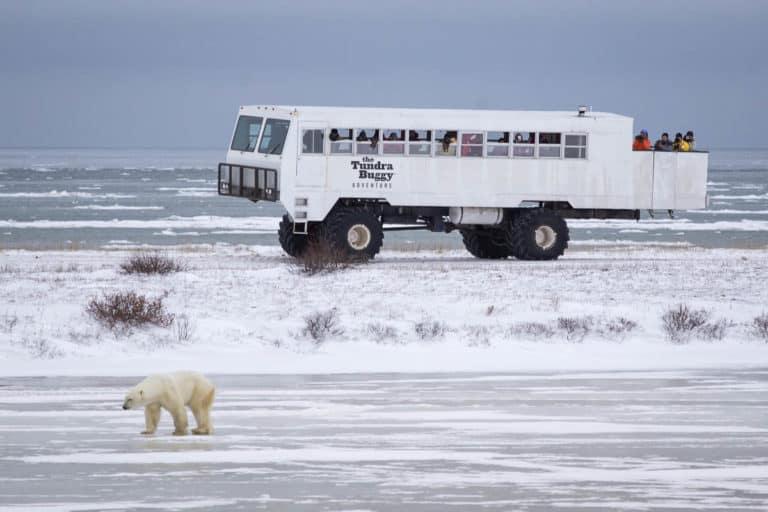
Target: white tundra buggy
x=507, y=180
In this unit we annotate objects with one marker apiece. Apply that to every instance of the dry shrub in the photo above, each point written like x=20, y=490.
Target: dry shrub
x=681, y=323
x=183, y=328
x=478, y=335
x=318, y=326
x=124, y=310
x=616, y=328
x=321, y=257
x=381, y=333
x=429, y=330
x=576, y=328
x=760, y=326
x=152, y=263
x=532, y=330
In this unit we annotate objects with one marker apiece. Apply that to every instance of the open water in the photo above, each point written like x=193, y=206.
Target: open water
x=94, y=198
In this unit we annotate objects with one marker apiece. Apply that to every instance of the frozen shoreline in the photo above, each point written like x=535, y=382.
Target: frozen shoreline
x=246, y=307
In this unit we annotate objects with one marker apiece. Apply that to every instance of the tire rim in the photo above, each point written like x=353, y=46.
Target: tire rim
x=545, y=237
x=359, y=237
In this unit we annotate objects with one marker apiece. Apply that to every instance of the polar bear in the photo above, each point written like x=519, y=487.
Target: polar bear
x=172, y=392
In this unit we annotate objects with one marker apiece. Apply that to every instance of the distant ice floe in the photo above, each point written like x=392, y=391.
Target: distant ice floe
x=680, y=225
x=116, y=207
x=66, y=194
x=742, y=197
x=727, y=212
x=190, y=191
x=250, y=224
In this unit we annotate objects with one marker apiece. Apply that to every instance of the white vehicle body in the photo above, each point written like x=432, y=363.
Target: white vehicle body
x=468, y=167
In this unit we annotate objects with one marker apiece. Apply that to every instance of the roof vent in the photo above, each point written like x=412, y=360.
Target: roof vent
x=582, y=110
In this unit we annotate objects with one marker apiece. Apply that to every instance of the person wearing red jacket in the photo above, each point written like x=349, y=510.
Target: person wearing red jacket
x=642, y=142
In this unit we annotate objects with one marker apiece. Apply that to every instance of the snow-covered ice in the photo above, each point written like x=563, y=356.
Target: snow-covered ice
x=654, y=440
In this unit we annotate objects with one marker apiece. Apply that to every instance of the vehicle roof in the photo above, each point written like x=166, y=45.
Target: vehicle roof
x=382, y=115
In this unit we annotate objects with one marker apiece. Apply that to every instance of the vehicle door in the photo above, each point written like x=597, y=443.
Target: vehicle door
x=311, y=162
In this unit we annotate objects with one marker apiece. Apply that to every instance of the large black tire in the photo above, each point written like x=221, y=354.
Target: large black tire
x=355, y=231
x=487, y=245
x=539, y=234
x=292, y=243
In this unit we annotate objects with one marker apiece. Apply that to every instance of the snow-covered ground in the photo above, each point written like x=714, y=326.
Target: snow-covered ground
x=244, y=310
x=651, y=441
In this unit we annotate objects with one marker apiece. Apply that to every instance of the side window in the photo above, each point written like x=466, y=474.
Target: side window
x=445, y=142
x=472, y=144
x=394, y=142
x=341, y=141
x=367, y=141
x=497, y=143
x=312, y=142
x=575, y=146
x=419, y=142
x=549, y=145
x=275, y=131
x=523, y=144
x=246, y=133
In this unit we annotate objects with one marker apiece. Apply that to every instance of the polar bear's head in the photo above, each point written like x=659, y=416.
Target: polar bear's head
x=135, y=398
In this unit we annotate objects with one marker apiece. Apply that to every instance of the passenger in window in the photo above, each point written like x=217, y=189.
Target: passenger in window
x=375, y=139
x=393, y=136
x=450, y=138
x=334, y=135
x=680, y=144
x=413, y=135
x=362, y=136
x=518, y=138
x=690, y=140
x=504, y=138
x=663, y=144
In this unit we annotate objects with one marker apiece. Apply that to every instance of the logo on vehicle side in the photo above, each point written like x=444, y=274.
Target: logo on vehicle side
x=372, y=173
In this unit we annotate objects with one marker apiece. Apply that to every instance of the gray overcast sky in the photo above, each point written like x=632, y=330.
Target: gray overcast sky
x=100, y=73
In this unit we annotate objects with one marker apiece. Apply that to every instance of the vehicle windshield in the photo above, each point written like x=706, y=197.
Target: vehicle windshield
x=275, y=131
x=246, y=133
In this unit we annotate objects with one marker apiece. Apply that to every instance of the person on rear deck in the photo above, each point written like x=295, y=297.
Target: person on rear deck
x=663, y=144
x=680, y=144
x=690, y=140
x=642, y=142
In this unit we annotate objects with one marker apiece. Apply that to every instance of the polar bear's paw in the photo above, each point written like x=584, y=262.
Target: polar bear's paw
x=179, y=432
x=201, y=431
x=147, y=432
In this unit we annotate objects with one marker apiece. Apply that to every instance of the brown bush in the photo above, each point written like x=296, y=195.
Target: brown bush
x=760, y=326
x=320, y=257
x=576, y=328
x=682, y=323
x=123, y=310
x=318, y=326
x=152, y=263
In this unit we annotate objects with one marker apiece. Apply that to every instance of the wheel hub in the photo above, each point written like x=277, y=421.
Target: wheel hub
x=358, y=237
x=545, y=237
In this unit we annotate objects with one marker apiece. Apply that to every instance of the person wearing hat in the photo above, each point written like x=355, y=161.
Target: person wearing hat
x=663, y=144
x=642, y=142
x=690, y=140
x=680, y=144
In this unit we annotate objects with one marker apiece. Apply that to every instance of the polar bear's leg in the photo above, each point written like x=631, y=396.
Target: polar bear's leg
x=202, y=412
x=151, y=418
x=173, y=404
